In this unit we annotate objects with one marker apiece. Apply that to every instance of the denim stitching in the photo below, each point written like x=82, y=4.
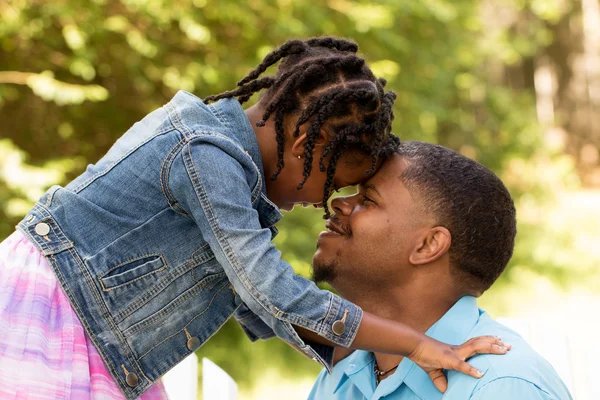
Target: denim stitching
x=104, y=289
x=164, y=175
x=130, y=260
x=93, y=338
x=47, y=248
x=258, y=188
x=200, y=250
x=115, y=163
x=354, y=330
x=219, y=115
x=173, y=114
x=230, y=255
x=160, y=314
x=322, y=324
x=111, y=324
x=159, y=287
x=204, y=203
x=196, y=316
x=75, y=305
x=51, y=193
x=342, y=339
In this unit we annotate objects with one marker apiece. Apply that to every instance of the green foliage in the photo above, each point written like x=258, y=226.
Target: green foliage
x=76, y=74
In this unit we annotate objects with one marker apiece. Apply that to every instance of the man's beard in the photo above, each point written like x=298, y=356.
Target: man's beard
x=324, y=272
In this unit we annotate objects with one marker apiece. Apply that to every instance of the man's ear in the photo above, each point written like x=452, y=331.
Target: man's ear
x=431, y=247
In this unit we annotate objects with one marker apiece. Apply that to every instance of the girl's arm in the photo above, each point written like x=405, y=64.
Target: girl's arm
x=385, y=336
x=220, y=187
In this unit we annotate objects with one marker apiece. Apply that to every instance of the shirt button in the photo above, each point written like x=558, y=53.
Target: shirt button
x=193, y=343
x=131, y=379
x=42, y=229
x=339, y=327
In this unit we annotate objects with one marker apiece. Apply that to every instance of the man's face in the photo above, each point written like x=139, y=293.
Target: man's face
x=372, y=233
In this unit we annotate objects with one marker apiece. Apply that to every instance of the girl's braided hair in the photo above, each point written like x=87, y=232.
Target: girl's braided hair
x=322, y=80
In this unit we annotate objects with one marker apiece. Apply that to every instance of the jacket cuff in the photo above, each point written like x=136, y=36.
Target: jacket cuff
x=342, y=322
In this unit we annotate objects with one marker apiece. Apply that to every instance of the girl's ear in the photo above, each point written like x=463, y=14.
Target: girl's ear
x=300, y=143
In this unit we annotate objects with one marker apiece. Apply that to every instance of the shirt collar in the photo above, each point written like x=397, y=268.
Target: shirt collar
x=453, y=328
x=355, y=363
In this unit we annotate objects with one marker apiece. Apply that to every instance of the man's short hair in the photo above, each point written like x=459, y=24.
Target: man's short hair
x=471, y=202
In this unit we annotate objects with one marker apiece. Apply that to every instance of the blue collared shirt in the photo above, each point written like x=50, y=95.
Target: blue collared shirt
x=520, y=374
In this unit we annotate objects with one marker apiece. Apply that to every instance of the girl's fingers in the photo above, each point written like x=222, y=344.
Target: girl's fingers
x=439, y=379
x=483, y=345
x=487, y=338
x=466, y=368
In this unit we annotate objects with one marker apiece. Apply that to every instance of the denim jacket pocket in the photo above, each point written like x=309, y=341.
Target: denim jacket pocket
x=131, y=270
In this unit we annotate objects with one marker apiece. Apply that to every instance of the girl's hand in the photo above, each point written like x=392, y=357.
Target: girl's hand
x=433, y=357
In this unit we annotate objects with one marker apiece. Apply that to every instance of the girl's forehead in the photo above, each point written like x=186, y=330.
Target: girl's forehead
x=352, y=172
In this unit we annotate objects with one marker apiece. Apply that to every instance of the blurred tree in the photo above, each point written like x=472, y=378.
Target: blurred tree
x=75, y=74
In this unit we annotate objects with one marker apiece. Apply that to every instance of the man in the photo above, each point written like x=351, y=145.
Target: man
x=430, y=232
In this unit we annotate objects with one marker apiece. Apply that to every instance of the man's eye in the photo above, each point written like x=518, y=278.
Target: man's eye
x=366, y=199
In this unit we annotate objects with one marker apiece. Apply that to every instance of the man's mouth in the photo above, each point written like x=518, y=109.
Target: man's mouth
x=333, y=227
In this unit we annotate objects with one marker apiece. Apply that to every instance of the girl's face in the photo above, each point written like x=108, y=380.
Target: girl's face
x=350, y=171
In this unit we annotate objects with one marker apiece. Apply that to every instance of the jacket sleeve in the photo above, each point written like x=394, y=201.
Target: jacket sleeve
x=254, y=327
x=216, y=193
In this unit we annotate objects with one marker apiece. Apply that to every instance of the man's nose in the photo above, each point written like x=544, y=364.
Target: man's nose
x=342, y=205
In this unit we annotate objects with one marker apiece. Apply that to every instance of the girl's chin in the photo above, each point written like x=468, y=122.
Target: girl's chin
x=290, y=207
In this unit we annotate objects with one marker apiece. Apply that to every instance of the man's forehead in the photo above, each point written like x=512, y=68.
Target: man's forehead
x=388, y=174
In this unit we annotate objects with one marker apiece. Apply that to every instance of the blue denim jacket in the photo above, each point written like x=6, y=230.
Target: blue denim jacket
x=159, y=243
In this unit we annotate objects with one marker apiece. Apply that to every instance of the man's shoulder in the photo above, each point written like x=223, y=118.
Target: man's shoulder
x=521, y=364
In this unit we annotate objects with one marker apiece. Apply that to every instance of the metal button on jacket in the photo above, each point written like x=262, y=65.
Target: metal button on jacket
x=339, y=327
x=132, y=379
x=193, y=343
x=42, y=229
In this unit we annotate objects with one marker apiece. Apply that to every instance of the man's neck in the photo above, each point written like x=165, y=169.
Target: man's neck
x=418, y=303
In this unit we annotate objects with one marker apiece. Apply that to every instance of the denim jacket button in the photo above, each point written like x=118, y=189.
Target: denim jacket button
x=42, y=229
x=193, y=343
x=131, y=379
x=339, y=327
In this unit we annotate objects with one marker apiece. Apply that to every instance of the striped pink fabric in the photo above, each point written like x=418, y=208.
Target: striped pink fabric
x=44, y=351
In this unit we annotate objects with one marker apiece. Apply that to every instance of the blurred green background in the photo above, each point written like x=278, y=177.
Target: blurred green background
x=514, y=84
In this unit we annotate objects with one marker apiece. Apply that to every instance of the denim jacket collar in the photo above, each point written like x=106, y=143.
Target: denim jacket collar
x=230, y=113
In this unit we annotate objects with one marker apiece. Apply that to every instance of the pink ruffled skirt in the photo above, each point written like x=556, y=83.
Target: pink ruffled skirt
x=44, y=351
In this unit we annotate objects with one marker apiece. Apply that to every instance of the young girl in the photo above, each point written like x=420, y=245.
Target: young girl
x=111, y=281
